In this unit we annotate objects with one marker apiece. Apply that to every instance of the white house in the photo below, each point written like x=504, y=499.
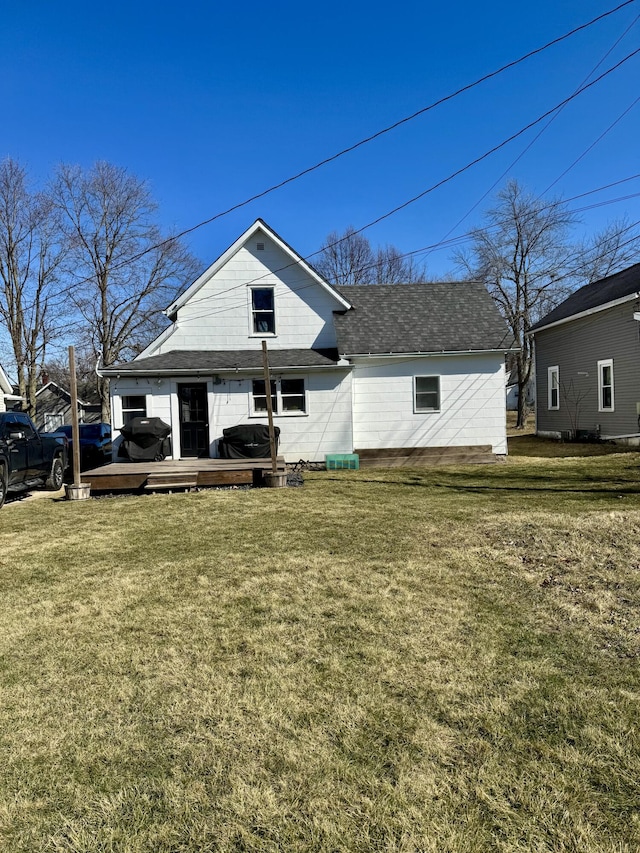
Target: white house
x=367, y=367
x=7, y=397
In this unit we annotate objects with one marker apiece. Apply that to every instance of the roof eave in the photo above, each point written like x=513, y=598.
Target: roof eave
x=420, y=353
x=589, y=312
x=114, y=373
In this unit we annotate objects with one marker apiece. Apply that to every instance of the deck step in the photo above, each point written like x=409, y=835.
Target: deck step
x=178, y=480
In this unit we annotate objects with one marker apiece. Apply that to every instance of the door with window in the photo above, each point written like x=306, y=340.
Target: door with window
x=194, y=420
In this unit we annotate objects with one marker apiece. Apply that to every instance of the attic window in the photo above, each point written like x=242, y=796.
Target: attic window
x=263, y=311
x=260, y=247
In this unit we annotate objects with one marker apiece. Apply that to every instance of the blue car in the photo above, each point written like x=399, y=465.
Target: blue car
x=95, y=444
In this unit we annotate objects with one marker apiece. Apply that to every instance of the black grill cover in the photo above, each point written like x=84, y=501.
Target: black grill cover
x=249, y=441
x=145, y=440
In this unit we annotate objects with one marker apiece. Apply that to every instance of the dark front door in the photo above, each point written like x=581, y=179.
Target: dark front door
x=194, y=422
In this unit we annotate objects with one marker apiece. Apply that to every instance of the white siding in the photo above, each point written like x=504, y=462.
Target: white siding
x=326, y=428
x=472, y=406
x=218, y=316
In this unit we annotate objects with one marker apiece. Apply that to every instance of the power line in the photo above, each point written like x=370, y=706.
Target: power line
x=593, y=144
x=227, y=308
x=459, y=171
x=545, y=128
x=444, y=244
x=468, y=87
x=496, y=147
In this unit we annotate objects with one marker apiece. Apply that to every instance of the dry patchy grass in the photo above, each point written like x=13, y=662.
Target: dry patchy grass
x=380, y=661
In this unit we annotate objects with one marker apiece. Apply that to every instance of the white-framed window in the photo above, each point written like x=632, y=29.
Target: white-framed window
x=53, y=421
x=263, y=311
x=288, y=396
x=133, y=406
x=553, y=387
x=426, y=393
x=605, y=385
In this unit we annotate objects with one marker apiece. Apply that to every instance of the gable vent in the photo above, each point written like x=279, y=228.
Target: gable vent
x=260, y=247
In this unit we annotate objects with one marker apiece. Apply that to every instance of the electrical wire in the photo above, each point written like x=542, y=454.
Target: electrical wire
x=453, y=175
x=466, y=88
x=306, y=285
x=544, y=129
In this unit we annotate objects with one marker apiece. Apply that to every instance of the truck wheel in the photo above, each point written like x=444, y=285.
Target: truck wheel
x=56, y=477
x=3, y=484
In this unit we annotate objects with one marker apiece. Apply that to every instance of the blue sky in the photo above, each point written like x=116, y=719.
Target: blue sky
x=212, y=103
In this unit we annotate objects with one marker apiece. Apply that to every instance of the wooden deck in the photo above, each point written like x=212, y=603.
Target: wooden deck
x=177, y=474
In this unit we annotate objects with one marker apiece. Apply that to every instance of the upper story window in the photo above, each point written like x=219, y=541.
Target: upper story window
x=426, y=394
x=605, y=386
x=263, y=311
x=553, y=388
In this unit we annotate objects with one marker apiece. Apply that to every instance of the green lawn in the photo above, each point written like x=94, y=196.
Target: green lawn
x=435, y=660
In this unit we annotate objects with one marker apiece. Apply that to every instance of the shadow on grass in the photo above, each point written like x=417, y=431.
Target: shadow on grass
x=549, y=448
x=454, y=484
x=585, y=479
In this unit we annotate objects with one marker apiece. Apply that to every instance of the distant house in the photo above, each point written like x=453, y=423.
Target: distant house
x=513, y=391
x=587, y=355
x=53, y=408
x=353, y=368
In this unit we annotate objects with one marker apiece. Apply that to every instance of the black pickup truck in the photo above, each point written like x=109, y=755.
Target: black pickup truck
x=29, y=459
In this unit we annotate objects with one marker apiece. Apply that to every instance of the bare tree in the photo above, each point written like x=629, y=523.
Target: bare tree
x=349, y=259
x=345, y=258
x=610, y=250
x=123, y=271
x=57, y=370
x=521, y=255
x=31, y=253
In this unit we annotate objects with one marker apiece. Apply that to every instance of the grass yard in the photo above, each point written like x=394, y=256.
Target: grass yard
x=437, y=660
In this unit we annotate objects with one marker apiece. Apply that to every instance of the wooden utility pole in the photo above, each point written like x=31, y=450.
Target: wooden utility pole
x=267, y=388
x=75, y=430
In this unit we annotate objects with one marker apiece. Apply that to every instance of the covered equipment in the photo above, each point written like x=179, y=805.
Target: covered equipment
x=145, y=440
x=248, y=441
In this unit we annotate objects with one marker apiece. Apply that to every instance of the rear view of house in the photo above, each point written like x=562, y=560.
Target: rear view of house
x=353, y=368
x=587, y=354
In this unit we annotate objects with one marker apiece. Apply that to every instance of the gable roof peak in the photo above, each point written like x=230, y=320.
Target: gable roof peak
x=258, y=225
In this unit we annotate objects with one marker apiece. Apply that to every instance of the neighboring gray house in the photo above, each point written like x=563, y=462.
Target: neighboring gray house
x=53, y=408
x=587, y=358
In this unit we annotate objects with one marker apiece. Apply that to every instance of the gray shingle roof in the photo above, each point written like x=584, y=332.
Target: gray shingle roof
x=425, y=318
x=209, y=361
x=594, y=295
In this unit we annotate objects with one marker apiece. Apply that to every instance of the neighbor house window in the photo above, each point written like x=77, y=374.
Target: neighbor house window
x=553, y=387
x=53, y=421
x=288, y=397
x=133, y=406
x=605, y=386
x=263, y=311
x=427, y=393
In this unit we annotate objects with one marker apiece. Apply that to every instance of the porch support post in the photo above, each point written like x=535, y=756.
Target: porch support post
x=75, y=429
x=267, y=388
